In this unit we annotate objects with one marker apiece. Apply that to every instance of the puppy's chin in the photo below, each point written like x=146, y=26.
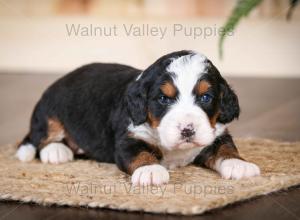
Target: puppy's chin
x=184, y=146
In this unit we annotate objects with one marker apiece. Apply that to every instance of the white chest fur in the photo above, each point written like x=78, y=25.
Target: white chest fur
x=179, y=158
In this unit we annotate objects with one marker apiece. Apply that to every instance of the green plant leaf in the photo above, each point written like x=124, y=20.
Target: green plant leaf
x=242, y=9
x=293, y=4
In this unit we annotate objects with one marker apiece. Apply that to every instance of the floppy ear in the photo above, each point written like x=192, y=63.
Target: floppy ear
x=229, y=104
x=137, y=102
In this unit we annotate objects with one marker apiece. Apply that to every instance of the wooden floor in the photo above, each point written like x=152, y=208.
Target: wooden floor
x=270, y=109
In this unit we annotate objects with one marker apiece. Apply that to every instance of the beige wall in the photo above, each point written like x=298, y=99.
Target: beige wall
x=36, y=41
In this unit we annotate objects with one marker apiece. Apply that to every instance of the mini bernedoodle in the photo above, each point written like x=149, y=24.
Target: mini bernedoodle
x=172, y=114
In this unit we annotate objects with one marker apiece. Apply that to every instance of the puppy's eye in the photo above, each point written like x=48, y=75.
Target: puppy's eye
x=165, y=100
x=206, y=98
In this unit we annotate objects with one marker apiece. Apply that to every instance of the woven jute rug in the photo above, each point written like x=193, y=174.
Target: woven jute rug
x=192, y=190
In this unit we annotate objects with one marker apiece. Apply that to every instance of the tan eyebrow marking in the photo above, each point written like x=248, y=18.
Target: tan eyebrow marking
x=168, y=89
x=202, y=87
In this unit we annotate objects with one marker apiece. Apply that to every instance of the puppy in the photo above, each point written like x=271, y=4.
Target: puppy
x=172, y=114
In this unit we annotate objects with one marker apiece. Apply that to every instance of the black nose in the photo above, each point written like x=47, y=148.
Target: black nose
x=187, y=132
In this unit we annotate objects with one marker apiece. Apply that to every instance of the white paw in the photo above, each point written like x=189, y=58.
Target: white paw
x=151, y=174
x=56, y=153
x=237, y=169
x=26, y=153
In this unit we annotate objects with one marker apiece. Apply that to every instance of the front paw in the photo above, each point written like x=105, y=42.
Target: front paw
x=150, y=175
x=56, y=153
x=237, y=169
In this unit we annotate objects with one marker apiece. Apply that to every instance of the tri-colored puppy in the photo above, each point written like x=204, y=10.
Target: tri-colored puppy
x=172, y=114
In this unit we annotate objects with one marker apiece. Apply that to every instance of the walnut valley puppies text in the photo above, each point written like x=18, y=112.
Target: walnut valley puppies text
x=144, y=30
x=196, y=190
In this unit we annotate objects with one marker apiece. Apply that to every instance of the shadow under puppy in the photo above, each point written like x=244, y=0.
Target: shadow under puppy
x=172, y=114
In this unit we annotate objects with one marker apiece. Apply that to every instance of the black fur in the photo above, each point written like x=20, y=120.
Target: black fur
x=96, y=103
x=228, y=103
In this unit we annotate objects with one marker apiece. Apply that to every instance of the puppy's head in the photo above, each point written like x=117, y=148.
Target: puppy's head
x=184, y=99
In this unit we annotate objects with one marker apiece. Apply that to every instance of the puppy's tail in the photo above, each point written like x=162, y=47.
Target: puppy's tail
x=26, y=150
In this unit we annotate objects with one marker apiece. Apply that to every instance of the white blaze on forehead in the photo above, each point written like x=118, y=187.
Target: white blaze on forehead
x=187, y=70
